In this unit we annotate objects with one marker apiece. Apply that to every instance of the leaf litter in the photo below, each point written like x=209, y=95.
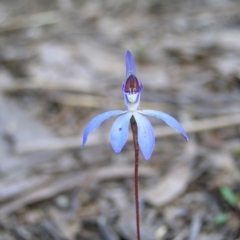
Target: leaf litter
x=61, y=64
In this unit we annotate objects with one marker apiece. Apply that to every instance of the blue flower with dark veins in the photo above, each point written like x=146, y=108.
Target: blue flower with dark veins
x=132, y=88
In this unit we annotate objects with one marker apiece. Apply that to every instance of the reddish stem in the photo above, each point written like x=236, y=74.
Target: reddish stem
x=136, y=150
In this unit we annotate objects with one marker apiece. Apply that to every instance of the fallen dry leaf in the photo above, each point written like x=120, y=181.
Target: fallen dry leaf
x=170, y=186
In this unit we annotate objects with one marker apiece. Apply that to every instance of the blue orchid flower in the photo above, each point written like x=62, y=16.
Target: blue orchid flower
x=132, y=88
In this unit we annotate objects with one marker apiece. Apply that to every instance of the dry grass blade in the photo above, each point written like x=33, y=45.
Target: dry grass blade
x=81, y=85
x=71, y=181
x=71, y=143
x=202, y=125
x=33, y=20
x=100, y=101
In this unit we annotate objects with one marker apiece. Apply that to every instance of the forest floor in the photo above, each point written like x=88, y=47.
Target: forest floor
x=62, y=62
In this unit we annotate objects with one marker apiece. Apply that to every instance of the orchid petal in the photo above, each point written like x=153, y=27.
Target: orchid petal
x=171, y=121
x=130, y=65
x=95, y=123
x=119, y=132
x=146, y=138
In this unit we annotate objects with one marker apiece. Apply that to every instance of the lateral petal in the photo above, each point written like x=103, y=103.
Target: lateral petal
x=96, y=122
x=146, y=138
x=171, y=121
x=119, y=132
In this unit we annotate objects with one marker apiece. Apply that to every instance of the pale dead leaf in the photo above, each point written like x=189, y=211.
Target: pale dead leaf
x=169, y=187
x=225, y=167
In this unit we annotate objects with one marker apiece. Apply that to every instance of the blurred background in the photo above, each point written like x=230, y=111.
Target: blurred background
x=62, y=62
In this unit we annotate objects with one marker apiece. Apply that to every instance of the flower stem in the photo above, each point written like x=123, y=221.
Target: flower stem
x=136, y=150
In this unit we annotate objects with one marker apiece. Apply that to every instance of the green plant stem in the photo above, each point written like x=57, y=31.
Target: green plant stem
x=136, y=150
